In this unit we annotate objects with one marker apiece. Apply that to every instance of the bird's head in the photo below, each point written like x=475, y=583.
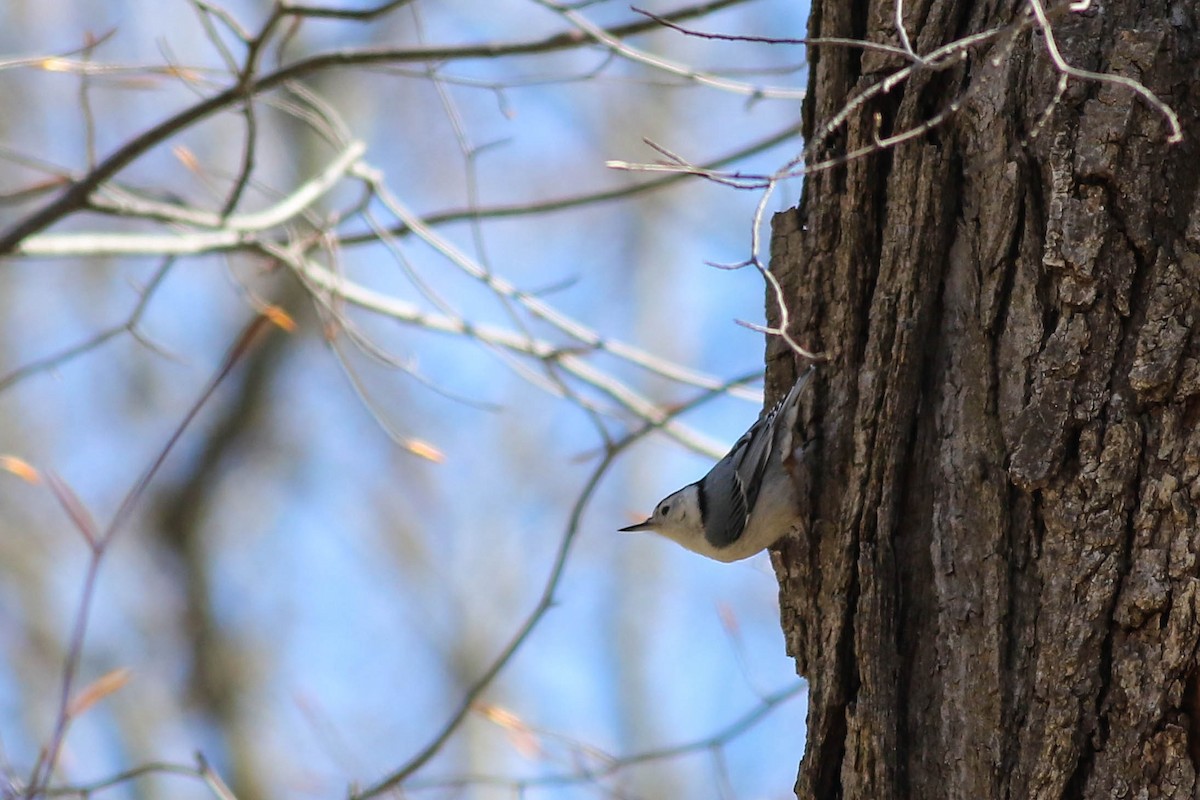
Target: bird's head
x=677, y=516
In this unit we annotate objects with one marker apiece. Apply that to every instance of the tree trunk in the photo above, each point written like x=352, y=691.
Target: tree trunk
x=996, y=591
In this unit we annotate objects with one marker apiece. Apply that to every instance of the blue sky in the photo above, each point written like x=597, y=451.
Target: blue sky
x=361, y=584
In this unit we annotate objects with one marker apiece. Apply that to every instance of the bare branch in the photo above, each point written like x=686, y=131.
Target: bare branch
x=99, y=542
x=54, y=62
x=857, y=44
x=1137, y=87
x=130, y=325
x=112, y=199
x=210, y=777
x=326, y=12
x=620, y=47
x=238, y=232
x=903, y=32
x=234, y=231
x=321, y=280
x=596, y=765
x=76, y=196
x=398, y=776
x=123, y=777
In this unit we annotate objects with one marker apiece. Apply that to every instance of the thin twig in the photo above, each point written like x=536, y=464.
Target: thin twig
x=234, y=231
x=605, y=766
x=119, y=778
x=1137, y=87
x=48, y=758
x=836, y=41
x=354, y=15
x=58, y=59
x=625, y=50
x=112, y=199
x=398, y=776
x=130, y=325
x=395, y=778
x=75, y=196
x=321, y=280
x=903, y=31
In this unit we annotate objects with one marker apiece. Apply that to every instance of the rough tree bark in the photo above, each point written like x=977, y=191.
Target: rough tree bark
x=996, y=590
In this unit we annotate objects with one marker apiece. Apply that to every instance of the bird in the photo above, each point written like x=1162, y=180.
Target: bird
x=747, y=501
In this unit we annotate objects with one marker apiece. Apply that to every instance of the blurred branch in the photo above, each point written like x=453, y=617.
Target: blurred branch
x=202, y=232
x=201, y=772
x=472, y=696
x=124, y=203
x=610, y=765
x=398, y=776
x=241, y=231
x=214, y=663
x=354, y=15
x=545, y=372
x=76, y=195
x=213, y=780
x=130, y=326
x=51, y=61
x=568, y=358
x=123, y=777
x=575, y=201
x=229, y=232
x=99, y=542
x=586, y=337
x=685, y=71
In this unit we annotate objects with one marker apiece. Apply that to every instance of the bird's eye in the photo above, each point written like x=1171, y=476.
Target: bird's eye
x=665, y=508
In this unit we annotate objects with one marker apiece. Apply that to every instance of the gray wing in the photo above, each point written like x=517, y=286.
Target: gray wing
x=730, y=490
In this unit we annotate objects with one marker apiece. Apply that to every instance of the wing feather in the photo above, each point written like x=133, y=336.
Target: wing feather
x=731, y=488
x=726, y=507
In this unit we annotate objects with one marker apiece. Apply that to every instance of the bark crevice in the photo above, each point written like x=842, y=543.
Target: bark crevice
x=1002, y=540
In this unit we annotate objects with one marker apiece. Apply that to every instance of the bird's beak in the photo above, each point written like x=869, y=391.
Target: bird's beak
x=641, y=526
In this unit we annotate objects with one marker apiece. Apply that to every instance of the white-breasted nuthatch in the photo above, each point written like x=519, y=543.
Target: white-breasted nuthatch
x=744, y=503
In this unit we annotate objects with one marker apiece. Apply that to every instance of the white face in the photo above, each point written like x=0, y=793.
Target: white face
x=678, y=515
x=669, y=510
